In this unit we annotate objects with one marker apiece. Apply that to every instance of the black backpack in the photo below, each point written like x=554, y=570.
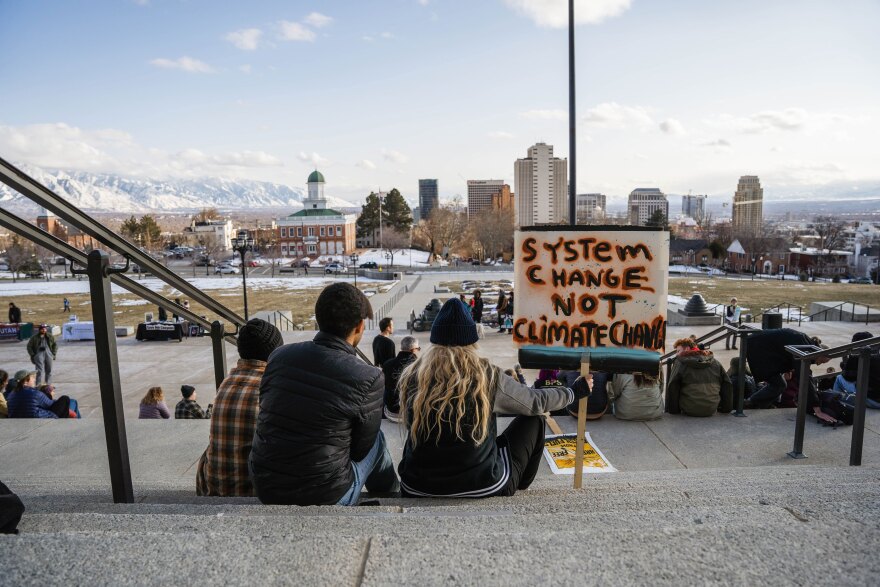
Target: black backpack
x=839, y=405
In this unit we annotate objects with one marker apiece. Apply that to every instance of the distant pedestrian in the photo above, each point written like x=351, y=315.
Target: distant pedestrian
x=43, y=351
x=383, y=345
x=66, y=305
x=174, y=315
x=188, y=408
x=501, y=310
x=731, y=318
x=163, y=314
x=477, y=306
x=153, y=405
x=14, y=313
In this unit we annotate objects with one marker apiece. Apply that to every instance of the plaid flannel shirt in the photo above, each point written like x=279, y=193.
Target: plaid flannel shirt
x=188, y=409
x=223, y=468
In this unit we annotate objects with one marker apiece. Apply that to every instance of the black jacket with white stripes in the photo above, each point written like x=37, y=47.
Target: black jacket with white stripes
x=446, y=466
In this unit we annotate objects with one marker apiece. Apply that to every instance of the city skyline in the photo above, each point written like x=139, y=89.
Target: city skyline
x=342, y=88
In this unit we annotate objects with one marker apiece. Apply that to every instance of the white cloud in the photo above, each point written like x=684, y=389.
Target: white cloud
x=785, y=120
x=62, y=146
x=294, y=31
x=555, y=114
x=424, y=2
x=614, y=115
x=672, y=126
x=141, y=2
x=312, y=158
x=807, y=173
x=554, y=13
x=387, y=35
x=317, y=20
x=366, y=164
x=184, y=64
x=500, y=134
x=394, y=156
x=246, y=68
x=245, y=39
x=718, y=144
x=368, y=38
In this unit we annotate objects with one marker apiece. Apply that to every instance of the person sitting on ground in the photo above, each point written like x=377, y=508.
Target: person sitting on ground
x=4, y=379
x=699, y=385
x=153, y=405
x=29, y=402
x=383, y=344
x=548, y=378
x=827, y=383
x=64, y=406
x=223, y=468
x=597, y=402
x=409, y=351
x=13, y=383
x=636, y=396
x=733, y=373
x=848, y=377
x=188, y=408
x=318, y=440
x=450, y=396
x=768, y=360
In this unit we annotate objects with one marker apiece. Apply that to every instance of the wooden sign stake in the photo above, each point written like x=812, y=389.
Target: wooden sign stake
x=582, y=428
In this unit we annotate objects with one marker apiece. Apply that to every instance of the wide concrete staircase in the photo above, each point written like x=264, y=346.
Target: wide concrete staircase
x=782, y=525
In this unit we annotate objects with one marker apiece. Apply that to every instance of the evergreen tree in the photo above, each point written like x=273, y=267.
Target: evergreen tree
x=396, y=212
x=368, y=221
x=658, y=219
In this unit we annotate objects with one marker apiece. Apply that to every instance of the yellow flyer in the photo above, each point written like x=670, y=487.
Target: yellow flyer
x=560, y=449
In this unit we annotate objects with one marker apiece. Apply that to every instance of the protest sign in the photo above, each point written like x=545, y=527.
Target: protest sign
x=586, y=286
x=560, y=451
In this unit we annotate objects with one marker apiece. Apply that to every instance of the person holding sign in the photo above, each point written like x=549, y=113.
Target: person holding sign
x=449, y=397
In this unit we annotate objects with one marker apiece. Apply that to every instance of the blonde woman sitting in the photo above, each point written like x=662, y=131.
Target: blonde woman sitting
x=449, y=397
x=153, y=405
x=638, y=396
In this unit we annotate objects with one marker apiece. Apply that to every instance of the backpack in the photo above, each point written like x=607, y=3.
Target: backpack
x=839, y=405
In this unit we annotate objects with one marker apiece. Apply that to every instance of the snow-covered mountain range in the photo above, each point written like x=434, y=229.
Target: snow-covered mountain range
x=94, y=192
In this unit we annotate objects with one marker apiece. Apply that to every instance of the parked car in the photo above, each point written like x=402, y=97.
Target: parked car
x=334, y=268
x=863, y=280
x=221, y=269
x=369, y=265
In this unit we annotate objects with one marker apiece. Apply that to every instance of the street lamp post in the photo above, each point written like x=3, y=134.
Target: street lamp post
x=354, y=261
x=242, y=244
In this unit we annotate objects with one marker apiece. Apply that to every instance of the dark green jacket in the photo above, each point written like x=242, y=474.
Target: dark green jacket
x=34, y=345
x=698, y=386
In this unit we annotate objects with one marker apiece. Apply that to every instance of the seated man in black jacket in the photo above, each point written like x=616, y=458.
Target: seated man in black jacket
x=409, y=352
x=317, y=440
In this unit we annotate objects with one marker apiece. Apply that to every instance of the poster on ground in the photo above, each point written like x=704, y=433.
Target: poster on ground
x=560, y=450
x=591, y=286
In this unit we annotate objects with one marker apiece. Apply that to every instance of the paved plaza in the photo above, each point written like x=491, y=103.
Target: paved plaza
x=695, y=501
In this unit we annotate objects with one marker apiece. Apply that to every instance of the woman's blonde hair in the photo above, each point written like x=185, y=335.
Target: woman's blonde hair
x=153, y=397
x=444, y=385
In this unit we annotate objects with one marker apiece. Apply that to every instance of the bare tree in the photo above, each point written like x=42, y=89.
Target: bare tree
x=213, y=246
x=493, y=230
x=394, y=241
x=830, y=233
x=18, y=255
x=206, y=214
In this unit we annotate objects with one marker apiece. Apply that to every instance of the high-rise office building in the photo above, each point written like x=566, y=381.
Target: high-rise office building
x=643, y=202
x=693, y=206
x=590, y=208
x=429, y=197
x=480, y=192
x=748, y=205
x=541, y=187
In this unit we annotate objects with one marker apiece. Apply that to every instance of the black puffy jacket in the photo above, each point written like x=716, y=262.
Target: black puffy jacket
x=767, y=355
x=320, y=409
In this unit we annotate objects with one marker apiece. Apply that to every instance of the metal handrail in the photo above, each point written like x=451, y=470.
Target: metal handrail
x=840, y=307
x=788, y=307
x=805, y=354
x=60, y=247
x=43, y=196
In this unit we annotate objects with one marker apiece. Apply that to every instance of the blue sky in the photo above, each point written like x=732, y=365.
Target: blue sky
x=681, y=95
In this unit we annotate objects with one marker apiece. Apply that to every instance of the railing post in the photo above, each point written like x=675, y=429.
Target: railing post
x=98, y=270
x=741, y=380
x=217, y=334
x=797, y=451
x=858, y=431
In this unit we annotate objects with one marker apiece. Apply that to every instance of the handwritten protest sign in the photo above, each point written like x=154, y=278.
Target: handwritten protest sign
x=560, y=450
x=585, y=286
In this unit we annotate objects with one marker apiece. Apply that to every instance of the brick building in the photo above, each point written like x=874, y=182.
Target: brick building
x=316, y=230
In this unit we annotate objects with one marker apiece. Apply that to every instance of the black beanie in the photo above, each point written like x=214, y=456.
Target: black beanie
x=454, y=325
x=257, y=339
x=186, y=391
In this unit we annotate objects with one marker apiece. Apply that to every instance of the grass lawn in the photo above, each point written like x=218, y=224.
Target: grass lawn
x=129, y=310
x=761, y=294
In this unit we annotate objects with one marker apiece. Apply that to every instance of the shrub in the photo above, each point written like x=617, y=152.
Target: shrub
x=802, y=276
x=835, y=279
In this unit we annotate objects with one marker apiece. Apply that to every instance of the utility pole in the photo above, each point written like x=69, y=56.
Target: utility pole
x=572, y=123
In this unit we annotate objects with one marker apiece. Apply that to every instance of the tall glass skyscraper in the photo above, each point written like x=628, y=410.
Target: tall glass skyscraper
x=429, y=197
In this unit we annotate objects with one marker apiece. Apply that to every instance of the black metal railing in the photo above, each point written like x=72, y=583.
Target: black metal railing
x=806, y=355
x=386, y=308
x=839, y=309
x=788, y=308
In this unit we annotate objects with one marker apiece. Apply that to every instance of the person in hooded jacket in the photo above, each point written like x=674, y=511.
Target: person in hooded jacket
x=699, y=385
x=769, y=360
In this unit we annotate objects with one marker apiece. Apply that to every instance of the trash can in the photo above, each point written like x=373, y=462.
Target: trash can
x=26, y=330
x=771, y=321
